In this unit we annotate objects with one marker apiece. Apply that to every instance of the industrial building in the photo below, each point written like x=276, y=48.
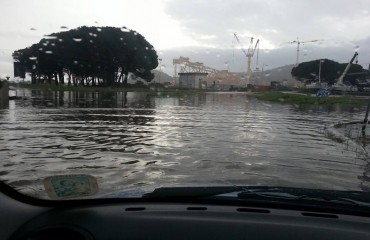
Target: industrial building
x=193, y=80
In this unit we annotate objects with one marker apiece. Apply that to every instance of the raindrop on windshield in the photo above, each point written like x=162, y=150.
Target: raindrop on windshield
x=53, y=44
x=49, y=52
x=33, y=58
x=77, y=39
x=40, y=49
x=98, y=29
x=267, y=74
x=135, y=33
x=75, y=62
x=63, y=27
x=95, y=35
x=50, y=37
x=45, y=44
x=91, y=41
x=218, y=55
x=33, y=66
x=356, y=48
x=91, y=34
x=121, y=39
x=60, y=40
x=33, y=29
x=125, y=29
x=146, y=48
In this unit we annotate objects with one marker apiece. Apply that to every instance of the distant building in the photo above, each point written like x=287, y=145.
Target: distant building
x=194, y=80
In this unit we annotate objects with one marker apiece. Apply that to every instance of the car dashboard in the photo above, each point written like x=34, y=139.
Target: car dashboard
x=173, y=220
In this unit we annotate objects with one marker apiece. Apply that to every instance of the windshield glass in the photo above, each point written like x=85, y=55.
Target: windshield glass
x=104, y=99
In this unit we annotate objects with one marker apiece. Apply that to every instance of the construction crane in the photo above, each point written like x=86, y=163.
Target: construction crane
x=298, y=43
x=339, y=86
x=249, y=54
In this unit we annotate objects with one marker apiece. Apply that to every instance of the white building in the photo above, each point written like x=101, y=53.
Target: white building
x=194, y=80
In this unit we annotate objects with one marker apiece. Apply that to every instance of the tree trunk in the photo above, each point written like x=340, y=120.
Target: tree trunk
x=49, y=78
x=69, y=79
x=82, y=82
x=61, y=78
x=120, y=77
x=124, y=83
x=56, y=78
x=33, y=78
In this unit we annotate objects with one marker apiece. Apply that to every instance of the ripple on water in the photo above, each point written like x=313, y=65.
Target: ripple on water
x=217, y=138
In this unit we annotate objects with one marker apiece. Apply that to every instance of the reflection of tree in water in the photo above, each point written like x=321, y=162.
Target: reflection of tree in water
x=104, y=120
x=80, y=99
x=108, y=130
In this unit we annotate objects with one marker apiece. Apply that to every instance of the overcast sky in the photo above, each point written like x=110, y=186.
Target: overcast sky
x=203, y=29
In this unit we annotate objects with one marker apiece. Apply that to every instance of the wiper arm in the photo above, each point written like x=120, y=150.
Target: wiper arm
x=309, y=196
x=191, y=192
x=284, y=195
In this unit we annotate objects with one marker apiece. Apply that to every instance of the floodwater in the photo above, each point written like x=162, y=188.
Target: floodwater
x=132, y=140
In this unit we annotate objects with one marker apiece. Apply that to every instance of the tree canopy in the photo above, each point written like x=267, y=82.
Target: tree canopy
x=330, y=72
x=89, y=55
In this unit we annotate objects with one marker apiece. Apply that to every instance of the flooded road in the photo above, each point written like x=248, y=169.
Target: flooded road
x=131, y=140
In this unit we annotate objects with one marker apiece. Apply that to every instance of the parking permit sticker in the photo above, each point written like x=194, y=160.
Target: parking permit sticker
x=70, y=186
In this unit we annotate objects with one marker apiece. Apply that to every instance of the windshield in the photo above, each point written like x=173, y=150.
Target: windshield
x=103, y=99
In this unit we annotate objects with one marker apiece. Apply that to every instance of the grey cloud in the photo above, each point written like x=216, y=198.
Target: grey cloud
x=288, y=19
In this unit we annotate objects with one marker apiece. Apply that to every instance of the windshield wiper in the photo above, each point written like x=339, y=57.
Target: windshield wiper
x=266, y=194
x=307, y=196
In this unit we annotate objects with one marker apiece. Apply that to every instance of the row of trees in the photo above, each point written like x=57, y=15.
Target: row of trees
x=95, y=56
x=330, y=72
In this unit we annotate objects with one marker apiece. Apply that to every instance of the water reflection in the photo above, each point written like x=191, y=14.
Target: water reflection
x=129, y=139
x=74, y=99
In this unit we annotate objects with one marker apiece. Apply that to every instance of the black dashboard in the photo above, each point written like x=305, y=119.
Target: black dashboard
x=188, y=221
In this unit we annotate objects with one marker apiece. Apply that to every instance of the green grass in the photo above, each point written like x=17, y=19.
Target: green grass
x=308, y=99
